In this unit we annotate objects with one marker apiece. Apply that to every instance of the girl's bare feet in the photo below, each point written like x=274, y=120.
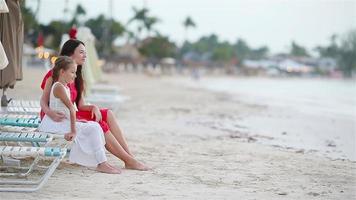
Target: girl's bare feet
x=113, y=167
x=136, y=165
x=106, y=168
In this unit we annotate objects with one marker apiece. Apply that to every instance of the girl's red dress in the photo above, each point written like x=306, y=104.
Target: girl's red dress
x=81, y=114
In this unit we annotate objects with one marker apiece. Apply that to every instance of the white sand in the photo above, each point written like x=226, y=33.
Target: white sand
x=170, y=128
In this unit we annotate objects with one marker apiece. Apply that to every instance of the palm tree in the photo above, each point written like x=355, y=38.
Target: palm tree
x=140, y=16
x=37, y=9
x=188, y=23
x=79, y=11
x=144, y=21
x=149, y=23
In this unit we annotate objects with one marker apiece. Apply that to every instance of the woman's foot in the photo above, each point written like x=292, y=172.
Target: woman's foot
x=136, y=165
x=106, y=168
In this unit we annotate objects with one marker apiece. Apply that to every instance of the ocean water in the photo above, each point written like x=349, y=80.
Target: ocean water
x=316, y=115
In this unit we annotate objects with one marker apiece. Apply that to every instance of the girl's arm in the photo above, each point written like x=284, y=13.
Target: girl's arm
x=93, y=108
x=55, y=116
x=59, y=92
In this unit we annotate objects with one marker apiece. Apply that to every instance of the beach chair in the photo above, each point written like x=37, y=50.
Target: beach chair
x=23, y=128
x=40, y=142
x=20, y=181
x=37, y=139
x=22, y=107
x=31, y=121
x=106, y=100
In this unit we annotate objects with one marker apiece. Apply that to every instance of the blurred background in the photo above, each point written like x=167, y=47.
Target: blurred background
x=265, y=38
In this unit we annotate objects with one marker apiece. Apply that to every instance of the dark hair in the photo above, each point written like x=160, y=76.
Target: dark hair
x=68, y=50
x=62, y=62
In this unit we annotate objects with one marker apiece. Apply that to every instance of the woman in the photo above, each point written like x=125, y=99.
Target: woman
x=115, y=141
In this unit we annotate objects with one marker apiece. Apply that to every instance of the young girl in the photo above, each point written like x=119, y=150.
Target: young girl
x=88, y=146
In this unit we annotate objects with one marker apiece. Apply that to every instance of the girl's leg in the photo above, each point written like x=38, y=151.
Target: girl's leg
x=93, y=133
x=114, y=147
x=116, y=131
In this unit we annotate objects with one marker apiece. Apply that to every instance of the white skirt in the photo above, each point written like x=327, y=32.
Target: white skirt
x=88, y=146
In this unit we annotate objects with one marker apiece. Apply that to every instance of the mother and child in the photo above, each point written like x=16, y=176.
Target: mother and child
x=91, y=129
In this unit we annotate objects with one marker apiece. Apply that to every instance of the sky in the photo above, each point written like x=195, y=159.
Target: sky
x=274, y=23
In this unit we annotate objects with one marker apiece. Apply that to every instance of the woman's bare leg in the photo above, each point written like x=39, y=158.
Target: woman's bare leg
x=116, y=131
x=114, y=147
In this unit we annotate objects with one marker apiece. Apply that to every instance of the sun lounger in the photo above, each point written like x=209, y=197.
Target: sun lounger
x=20, y=120
x=106, y=100
x=35, y=138
x=104, y=89
x=20, y=184
x=40, y=142
x=22, y=107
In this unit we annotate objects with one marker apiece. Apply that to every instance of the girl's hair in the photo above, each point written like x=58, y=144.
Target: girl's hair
x=62, y=62
x=68, y=50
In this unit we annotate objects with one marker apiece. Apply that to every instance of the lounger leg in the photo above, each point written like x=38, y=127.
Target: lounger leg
x=37, y=184
x=23, y=174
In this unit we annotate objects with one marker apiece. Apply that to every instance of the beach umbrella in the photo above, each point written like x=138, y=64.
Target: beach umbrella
x=3, y=58
x=11, y=37
x=92, y=69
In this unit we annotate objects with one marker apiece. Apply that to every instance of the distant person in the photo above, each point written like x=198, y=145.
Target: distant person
x=195, y=73
x=115, y=140
x=88, y=146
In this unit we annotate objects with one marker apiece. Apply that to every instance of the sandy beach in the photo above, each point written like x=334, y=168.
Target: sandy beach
x=175, y=130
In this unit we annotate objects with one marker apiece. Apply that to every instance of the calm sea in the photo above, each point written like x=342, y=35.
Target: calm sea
x=316, y=115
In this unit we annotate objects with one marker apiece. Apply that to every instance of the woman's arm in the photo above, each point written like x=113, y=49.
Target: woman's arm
x=83, y=106
x=95, y=111
x=55, y=116
x=59, y=92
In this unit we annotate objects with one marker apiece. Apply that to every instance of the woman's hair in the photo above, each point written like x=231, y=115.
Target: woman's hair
x=68, y=50
x=62, y=62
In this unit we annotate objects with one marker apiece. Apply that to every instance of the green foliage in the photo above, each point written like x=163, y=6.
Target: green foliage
x=55, y=29
x=97, y=25
x=206, y=44
x=30, y=23
x=241, y=50
x=106, y=31
x=149, y=23
x=143, y=21
x=158, y=47
x=223, y=52
x=331, y=50
x=79, y=11
x=347, y=58
x=297, y=50
x=259, y=53
x=343, y=49
x=29, y=19
x=139, y=14
x=188, y=22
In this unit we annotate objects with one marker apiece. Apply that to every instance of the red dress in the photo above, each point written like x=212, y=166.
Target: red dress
x=81, y=114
